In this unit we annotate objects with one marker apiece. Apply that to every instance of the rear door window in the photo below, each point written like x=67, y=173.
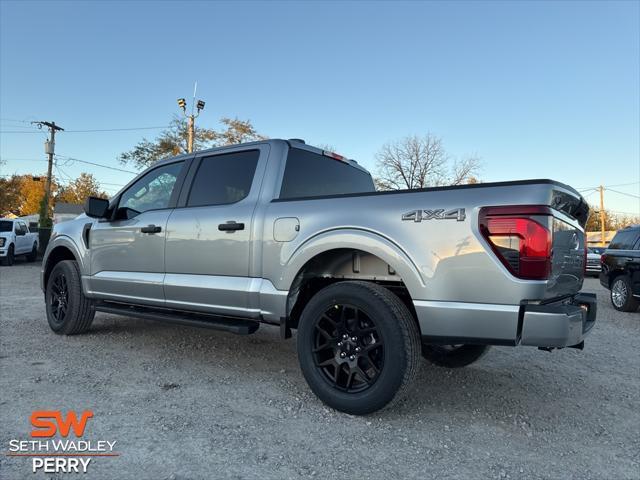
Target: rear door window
x=223, y=179
x=624, y=239
x=309, y=174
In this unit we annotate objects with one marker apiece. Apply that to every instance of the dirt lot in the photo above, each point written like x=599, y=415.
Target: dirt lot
x=189, y=403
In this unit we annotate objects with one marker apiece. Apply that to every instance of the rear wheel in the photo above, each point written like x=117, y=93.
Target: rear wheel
x=34, y=254
x=621, y=296
x=358, y=347
x=453, y=356
x=68, y=311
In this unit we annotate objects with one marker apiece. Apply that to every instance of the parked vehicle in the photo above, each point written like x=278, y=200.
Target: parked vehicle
x=16, y=239
x=282, y=233
x=593, y=261
x=621, y=269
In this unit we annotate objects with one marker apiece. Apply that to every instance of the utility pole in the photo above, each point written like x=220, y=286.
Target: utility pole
x=50, y=146
x=191, y=118
x=601, y=215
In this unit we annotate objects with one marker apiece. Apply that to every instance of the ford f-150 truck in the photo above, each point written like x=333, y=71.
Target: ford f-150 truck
x=16, y=239
x=279, y=232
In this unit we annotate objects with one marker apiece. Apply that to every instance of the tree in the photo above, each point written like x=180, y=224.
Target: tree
x=173, y=141
x=10, y=195
x=78, y=190
x=612, y=221
x=421, y=161
x=32, y=190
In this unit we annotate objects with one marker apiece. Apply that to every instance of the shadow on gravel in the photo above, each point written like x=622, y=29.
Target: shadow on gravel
x=496, y=380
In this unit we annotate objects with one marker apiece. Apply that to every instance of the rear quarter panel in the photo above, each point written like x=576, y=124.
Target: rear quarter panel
x=444, y=260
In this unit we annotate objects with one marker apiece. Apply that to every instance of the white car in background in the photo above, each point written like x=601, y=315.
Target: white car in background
x=593, y=260
x=16, y=239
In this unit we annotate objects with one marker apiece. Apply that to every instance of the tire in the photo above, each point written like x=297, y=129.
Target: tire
x=69, y=312
x=31, y=257
x=453, y=356
x=10, y=258
x=621, y=297
x=381, y=348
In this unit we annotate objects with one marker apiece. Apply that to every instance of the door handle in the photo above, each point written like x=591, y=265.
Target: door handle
x=230, y=226
x=151, y=229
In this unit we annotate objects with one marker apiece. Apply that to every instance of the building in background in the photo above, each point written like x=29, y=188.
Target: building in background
x=66, y=211
x=593, y=238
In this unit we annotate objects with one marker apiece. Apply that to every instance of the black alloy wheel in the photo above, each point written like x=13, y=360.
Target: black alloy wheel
x=348, y=348
x=58, y=297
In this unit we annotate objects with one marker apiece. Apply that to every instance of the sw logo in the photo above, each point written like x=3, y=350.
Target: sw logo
x=438, y=214
x=61, y=454
x=45, y=426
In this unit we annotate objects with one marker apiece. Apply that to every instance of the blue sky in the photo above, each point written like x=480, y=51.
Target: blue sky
x=541, y=89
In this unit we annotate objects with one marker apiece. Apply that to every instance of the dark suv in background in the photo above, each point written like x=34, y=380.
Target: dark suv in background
x=621, y=269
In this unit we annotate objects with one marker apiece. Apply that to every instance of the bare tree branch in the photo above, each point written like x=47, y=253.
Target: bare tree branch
x=418, y=162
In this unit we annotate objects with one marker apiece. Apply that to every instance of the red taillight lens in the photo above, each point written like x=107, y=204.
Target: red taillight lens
x=521, y=242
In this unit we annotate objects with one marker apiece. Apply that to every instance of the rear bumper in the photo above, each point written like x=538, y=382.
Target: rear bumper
x=552, y=325
x=559, y=325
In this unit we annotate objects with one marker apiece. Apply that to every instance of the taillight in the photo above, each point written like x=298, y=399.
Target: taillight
x=334, y=155
x=519, y=240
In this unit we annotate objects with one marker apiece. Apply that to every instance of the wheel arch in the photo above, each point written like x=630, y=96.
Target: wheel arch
x=56, y=255
x=348, y=255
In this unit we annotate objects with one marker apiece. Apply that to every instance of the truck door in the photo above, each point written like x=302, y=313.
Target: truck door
x=22, y=239
x=211, y=236
x=127, y=251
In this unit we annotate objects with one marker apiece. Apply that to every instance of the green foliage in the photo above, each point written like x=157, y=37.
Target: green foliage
x=45, y=219
x=173, y=141
x=78, y=190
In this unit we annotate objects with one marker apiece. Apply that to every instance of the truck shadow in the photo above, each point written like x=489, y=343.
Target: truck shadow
x=493, y=386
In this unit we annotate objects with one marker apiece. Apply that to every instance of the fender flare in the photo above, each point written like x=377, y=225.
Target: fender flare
x=66, y=242
x=357, y=239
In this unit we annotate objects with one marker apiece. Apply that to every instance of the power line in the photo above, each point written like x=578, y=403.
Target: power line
x=91, y=130
x=116, y=129
x=72, y=159
x=608, y=186
x=623, y=193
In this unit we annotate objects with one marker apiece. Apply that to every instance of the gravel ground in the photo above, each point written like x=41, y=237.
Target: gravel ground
x=189, y=403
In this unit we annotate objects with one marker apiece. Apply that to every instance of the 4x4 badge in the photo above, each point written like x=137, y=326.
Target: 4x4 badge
x=438, y=214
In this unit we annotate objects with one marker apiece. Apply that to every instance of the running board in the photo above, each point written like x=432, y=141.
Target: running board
x=202, y=320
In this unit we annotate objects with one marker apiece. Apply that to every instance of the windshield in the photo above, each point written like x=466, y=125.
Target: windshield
x=6, y=226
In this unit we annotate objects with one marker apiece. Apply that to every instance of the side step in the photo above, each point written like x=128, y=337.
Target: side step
x=202, y=320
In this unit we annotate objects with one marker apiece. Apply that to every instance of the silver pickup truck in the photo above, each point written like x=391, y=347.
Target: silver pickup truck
x=282, y=233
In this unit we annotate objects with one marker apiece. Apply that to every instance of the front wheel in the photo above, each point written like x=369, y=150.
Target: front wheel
x=453, y=356
x=68, y=310
x=621, y=295
x=10, y=258
x=358, y=346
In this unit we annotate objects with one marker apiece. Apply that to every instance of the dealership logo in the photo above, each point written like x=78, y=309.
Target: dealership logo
x=71, y=453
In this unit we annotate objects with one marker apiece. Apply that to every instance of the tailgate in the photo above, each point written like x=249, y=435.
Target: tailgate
x=568, y=257
x=569, y=253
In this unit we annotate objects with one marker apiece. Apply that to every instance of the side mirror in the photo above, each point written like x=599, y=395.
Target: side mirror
x=96, y=207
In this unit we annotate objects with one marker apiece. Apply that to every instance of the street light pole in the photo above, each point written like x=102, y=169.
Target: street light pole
x=191, y=118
